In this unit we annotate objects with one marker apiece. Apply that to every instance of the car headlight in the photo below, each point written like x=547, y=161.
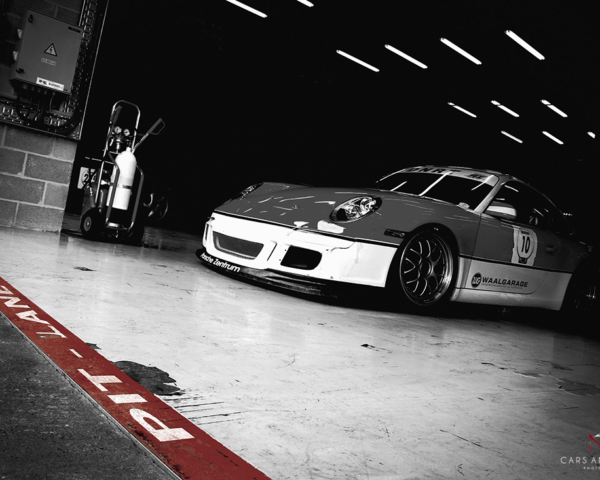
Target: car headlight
x=246, y=191
x=355, y=209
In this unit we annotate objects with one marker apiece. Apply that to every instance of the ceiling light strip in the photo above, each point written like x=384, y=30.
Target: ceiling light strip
x=462, y=109
x=506, y=109
x=457, y=49
x=552, y=137
x=592, y=134
x=360, y=62
x=307, y=3
x=511, y=136
x=552, y=107
x=405, y=56
x=524, y=44
x=246, y=7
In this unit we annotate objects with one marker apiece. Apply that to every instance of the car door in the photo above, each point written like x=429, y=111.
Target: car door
x=516, y=249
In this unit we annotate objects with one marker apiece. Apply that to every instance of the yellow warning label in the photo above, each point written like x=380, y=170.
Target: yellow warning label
x=51, y=50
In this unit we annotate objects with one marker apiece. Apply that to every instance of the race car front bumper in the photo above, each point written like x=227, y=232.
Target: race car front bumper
x=259, y=249
x=300, y=284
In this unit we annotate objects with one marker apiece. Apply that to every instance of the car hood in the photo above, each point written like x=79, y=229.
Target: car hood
x=311, y=207
x=294, y=204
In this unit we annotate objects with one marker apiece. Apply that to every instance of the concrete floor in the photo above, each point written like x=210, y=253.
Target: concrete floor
x=50, y=430
x=303, y=389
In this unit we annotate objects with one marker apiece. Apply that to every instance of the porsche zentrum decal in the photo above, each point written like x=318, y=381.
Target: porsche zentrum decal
x=525, y=244
x=219, y=263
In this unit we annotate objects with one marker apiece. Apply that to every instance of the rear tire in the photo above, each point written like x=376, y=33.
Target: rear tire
x=581, y=297
x=424, y=269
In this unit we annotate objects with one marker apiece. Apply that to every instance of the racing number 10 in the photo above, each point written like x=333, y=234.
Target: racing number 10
x=525, y=244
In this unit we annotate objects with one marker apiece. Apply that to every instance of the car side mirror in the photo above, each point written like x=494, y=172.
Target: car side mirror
x=502, y=210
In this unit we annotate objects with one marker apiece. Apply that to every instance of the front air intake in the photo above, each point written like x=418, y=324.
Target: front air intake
x=237, y=246
x=301, y=258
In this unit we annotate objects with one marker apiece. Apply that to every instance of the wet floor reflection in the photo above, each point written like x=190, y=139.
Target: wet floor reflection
x=323, y=388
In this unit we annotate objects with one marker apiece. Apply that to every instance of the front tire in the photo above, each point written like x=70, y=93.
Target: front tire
x=425, y=269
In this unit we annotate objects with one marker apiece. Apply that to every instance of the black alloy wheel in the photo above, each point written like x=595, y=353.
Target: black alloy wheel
x=426, y=268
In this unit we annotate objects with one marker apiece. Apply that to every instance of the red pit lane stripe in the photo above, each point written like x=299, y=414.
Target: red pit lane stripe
x=182, y=446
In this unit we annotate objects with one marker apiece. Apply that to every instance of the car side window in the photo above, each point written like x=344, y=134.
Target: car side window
x=511, y=194
x=532, y=208
x=547, y=215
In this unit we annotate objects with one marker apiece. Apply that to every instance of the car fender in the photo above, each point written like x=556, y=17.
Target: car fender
x=402, y=216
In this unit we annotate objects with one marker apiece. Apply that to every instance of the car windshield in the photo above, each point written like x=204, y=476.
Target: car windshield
x=466, y=188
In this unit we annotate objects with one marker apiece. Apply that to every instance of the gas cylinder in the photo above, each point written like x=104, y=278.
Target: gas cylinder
x=127, y=164
x=88, y=199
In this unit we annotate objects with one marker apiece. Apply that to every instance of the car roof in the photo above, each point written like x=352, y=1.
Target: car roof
x=505, y=176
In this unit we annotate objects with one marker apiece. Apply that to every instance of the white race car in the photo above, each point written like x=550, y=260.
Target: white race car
x=427, y=234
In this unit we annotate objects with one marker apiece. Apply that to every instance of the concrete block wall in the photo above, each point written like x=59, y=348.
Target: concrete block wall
x=35, y=171
x=35, y=168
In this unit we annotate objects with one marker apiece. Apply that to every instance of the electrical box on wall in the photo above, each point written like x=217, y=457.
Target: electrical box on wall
x=47, y=53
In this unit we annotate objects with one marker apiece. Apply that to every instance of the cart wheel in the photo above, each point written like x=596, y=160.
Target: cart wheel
x=91, y=224
x=160, y=210
x=135, y=235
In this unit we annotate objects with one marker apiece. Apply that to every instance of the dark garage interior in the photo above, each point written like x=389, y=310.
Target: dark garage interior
x=231, y=376
x=271, y=99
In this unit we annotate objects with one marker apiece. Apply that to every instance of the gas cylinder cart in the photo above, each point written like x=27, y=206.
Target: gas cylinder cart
x=112, y=194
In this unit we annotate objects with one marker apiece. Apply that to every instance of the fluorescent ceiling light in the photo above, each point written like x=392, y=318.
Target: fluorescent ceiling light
x=307, y=3
x=508, y=110
x=462, y=109
x=360, y=62
x=510, y=136
x=524, y=44
x=552, y=107
x=405, y=56
x=456, y=48
x=553, y=138
x=246, y=7
x=592, y=134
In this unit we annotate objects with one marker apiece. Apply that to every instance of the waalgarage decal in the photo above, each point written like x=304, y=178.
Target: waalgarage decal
x=219, y=263
x=480, y=280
